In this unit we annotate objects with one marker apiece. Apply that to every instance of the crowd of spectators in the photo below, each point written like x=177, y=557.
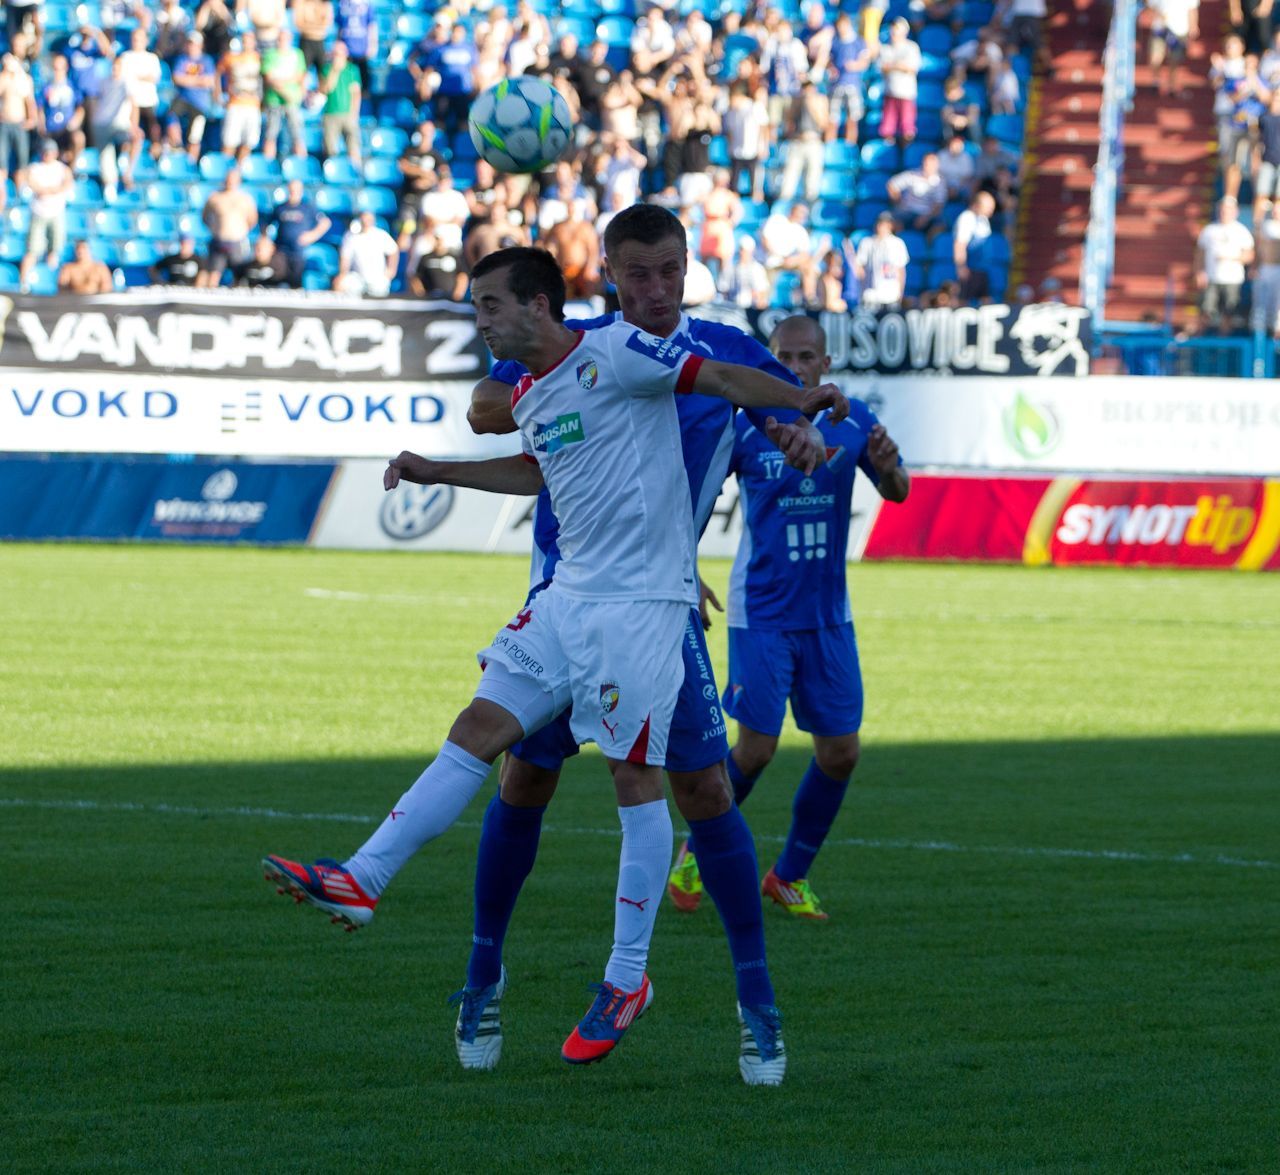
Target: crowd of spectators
x=764, y=134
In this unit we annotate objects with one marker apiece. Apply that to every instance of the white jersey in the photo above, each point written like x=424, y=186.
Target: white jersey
x=602, y=425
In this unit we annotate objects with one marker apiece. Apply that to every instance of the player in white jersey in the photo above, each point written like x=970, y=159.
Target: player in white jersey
x=599, y=426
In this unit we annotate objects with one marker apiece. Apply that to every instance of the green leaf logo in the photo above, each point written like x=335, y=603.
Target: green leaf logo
x=1031, y=429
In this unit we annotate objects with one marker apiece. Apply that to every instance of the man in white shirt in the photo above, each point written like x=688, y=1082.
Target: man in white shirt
x=1223, y=250
x=972, y=230
x=141, y=71
x=367, y=260
x=919, y=195
x=881, y=265
x=1176, y=24
x=788, y=245
x=51, y=184
x=447, y=207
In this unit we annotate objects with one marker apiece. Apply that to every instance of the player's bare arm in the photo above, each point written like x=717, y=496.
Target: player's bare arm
x=490, y=410
x=748, y=387
x=707, y=599
x=498, y=475
x=882, y=450
x=801, y=443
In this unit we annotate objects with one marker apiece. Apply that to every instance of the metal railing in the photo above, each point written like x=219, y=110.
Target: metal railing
x=1119, y=58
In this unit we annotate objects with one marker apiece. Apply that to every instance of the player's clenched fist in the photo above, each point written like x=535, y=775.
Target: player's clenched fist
x=828, y=395
x=407, y=467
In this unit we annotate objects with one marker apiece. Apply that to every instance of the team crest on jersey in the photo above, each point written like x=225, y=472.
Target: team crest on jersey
x=588, y=373
x=665, y=351
x=807, y=486
x=564, y=430
x=835, y=456
x=609, y=697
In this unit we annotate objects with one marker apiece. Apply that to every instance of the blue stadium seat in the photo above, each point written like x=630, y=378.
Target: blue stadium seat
x=387, y=141
x=1007, y=128
x=929, y=126
x=837, y=185
x=941, y=271
x=9, y=280
x=79, y=222
x=109, y=222
x=881, y=155
x=934, y=66
x=190, y=225
x=322, y=259
x=833, y=214
x=998, y=276
x=13, y=247
x=916, y=151
x=130, y=199
x=871, y=186
x=913, y=238
x=464, y=173
x=155, y=226
x=931, y=94
x=18, y=218
x=624, y=8
x=304, y=168
x=165, y=196
x=461, y=147
x=996, y=251
x=411, y=26
x=940, y=249
x=864, y=215
x=44, y=280
x=264, y=196
x=134, y=275
x=87, y=193
x=335, y=201
x=838, y=153
x=258, y=169
x=214, y=167
x=401, y=112
x=915, y=283
x=582, y=27
x=145, y=169
x=176, y=166
x=87, y=162
x=615, y=30
x=399, y=83
x=382, y=172
x=341, y=171
x=136, y=252
x=935, y=38
x=379, y=201
x=105, y=251
x=718, y=154
x=978, y=12
x=786, y=290
x=311, y=280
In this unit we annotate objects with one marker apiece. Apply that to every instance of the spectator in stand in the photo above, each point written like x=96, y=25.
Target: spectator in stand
x=998, y=170
x=1250, y=99
x=88, y=51
x=455, y=65
x=566, y=198
x=1266, y=285
x=490, y=69
x=1025, y=19
x=919, y=196
x=18, y=118
x=595, y=76
x=870, y=17
x=298, y=225
x=694, y=38
x=522, y=52
x=178, y=269
x=721, y=214
x=1175, y=25
x=971, y=250
x=268, y=18
x=495, y=229
x=653, y=43
x=447, y=207
x=745, y=281
x=809, y=128
x=21, y=17
x=170, y=24
x=1225, y=71
x=1252, y=20
x=732, y=47
x=1269, y=64
x=59, y=115
x=747, y=131
x=368, y=259
x=850, y=59
x=142, y=73
x=284, y=85
x=960, y=117
x=785, y=65
x=619, y=171
x=1004, y=91
x=313, y=20
x=958, y=170
x=900, y=62
x=340, y=85
x=195, y=81
x=692, y=124
x=1224, y=250
x=432, y=267
x=230, y=215
x=576, y=246
x=115, y=129
x=240, y=74
x=880, y=264
x=214, y=22
x=51, y=184
x=358, y=30
x=975, y=57
x=831, y=278
x=788, y=246
x=418, y=163
x=1266, y=183
x=84, y=274
x=265, y=270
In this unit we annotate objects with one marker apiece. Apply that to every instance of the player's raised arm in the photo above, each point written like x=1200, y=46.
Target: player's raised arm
x=498, y=475
x=490, y=410
x=882, y=451
x=749, y=387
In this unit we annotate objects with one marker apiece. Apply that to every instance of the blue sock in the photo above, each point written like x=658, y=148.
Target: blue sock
x=818, y=799
x=742, y=784
x=727, y=862
x=508, y=846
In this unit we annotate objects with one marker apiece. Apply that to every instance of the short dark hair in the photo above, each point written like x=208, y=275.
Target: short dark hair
x=530, y=272
x=646, y=224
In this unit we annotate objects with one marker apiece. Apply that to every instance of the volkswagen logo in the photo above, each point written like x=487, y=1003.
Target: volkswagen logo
x=218, y=487
x=414, y=510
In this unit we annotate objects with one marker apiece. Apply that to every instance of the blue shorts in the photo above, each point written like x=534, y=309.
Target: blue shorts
x=816, y=668
x=697, y=736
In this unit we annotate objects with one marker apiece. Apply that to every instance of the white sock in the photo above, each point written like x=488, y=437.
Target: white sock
x=426, y=810
x=647, y=838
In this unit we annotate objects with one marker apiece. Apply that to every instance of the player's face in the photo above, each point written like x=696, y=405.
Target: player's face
x=506, y=325
x=650, y=281
x=800, y=349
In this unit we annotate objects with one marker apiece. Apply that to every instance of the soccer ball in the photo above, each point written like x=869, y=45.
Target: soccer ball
x=521, y=124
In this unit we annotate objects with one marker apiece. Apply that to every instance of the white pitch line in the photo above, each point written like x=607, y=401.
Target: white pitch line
x=927, y=846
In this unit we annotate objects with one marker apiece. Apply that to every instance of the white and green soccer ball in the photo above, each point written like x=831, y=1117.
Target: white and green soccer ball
x=521, y=124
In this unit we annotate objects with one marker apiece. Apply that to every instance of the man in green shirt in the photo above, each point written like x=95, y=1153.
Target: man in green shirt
x=284, y=80
x=340, y=85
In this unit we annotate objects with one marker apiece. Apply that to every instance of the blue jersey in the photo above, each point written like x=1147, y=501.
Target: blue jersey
x=789, y=572
x=706, y=425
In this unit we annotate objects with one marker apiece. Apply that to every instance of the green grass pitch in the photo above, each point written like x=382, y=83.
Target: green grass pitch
x=1054, y=887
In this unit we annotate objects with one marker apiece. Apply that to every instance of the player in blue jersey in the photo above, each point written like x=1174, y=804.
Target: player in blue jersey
x=790, y=628
x=645, y=254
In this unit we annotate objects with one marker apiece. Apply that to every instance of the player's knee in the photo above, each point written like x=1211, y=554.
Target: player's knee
x=702, y=795
x=524, y=785
x=755, y=754
x=838, y=759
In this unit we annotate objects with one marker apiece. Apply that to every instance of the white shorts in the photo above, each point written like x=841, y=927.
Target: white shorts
x=620, y=663
x=242, y=127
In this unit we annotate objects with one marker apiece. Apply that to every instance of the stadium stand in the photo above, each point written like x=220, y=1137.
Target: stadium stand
x=164, y=190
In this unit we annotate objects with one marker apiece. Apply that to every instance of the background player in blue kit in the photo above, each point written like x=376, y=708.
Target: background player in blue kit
x=645, y=249
x=790, y=628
